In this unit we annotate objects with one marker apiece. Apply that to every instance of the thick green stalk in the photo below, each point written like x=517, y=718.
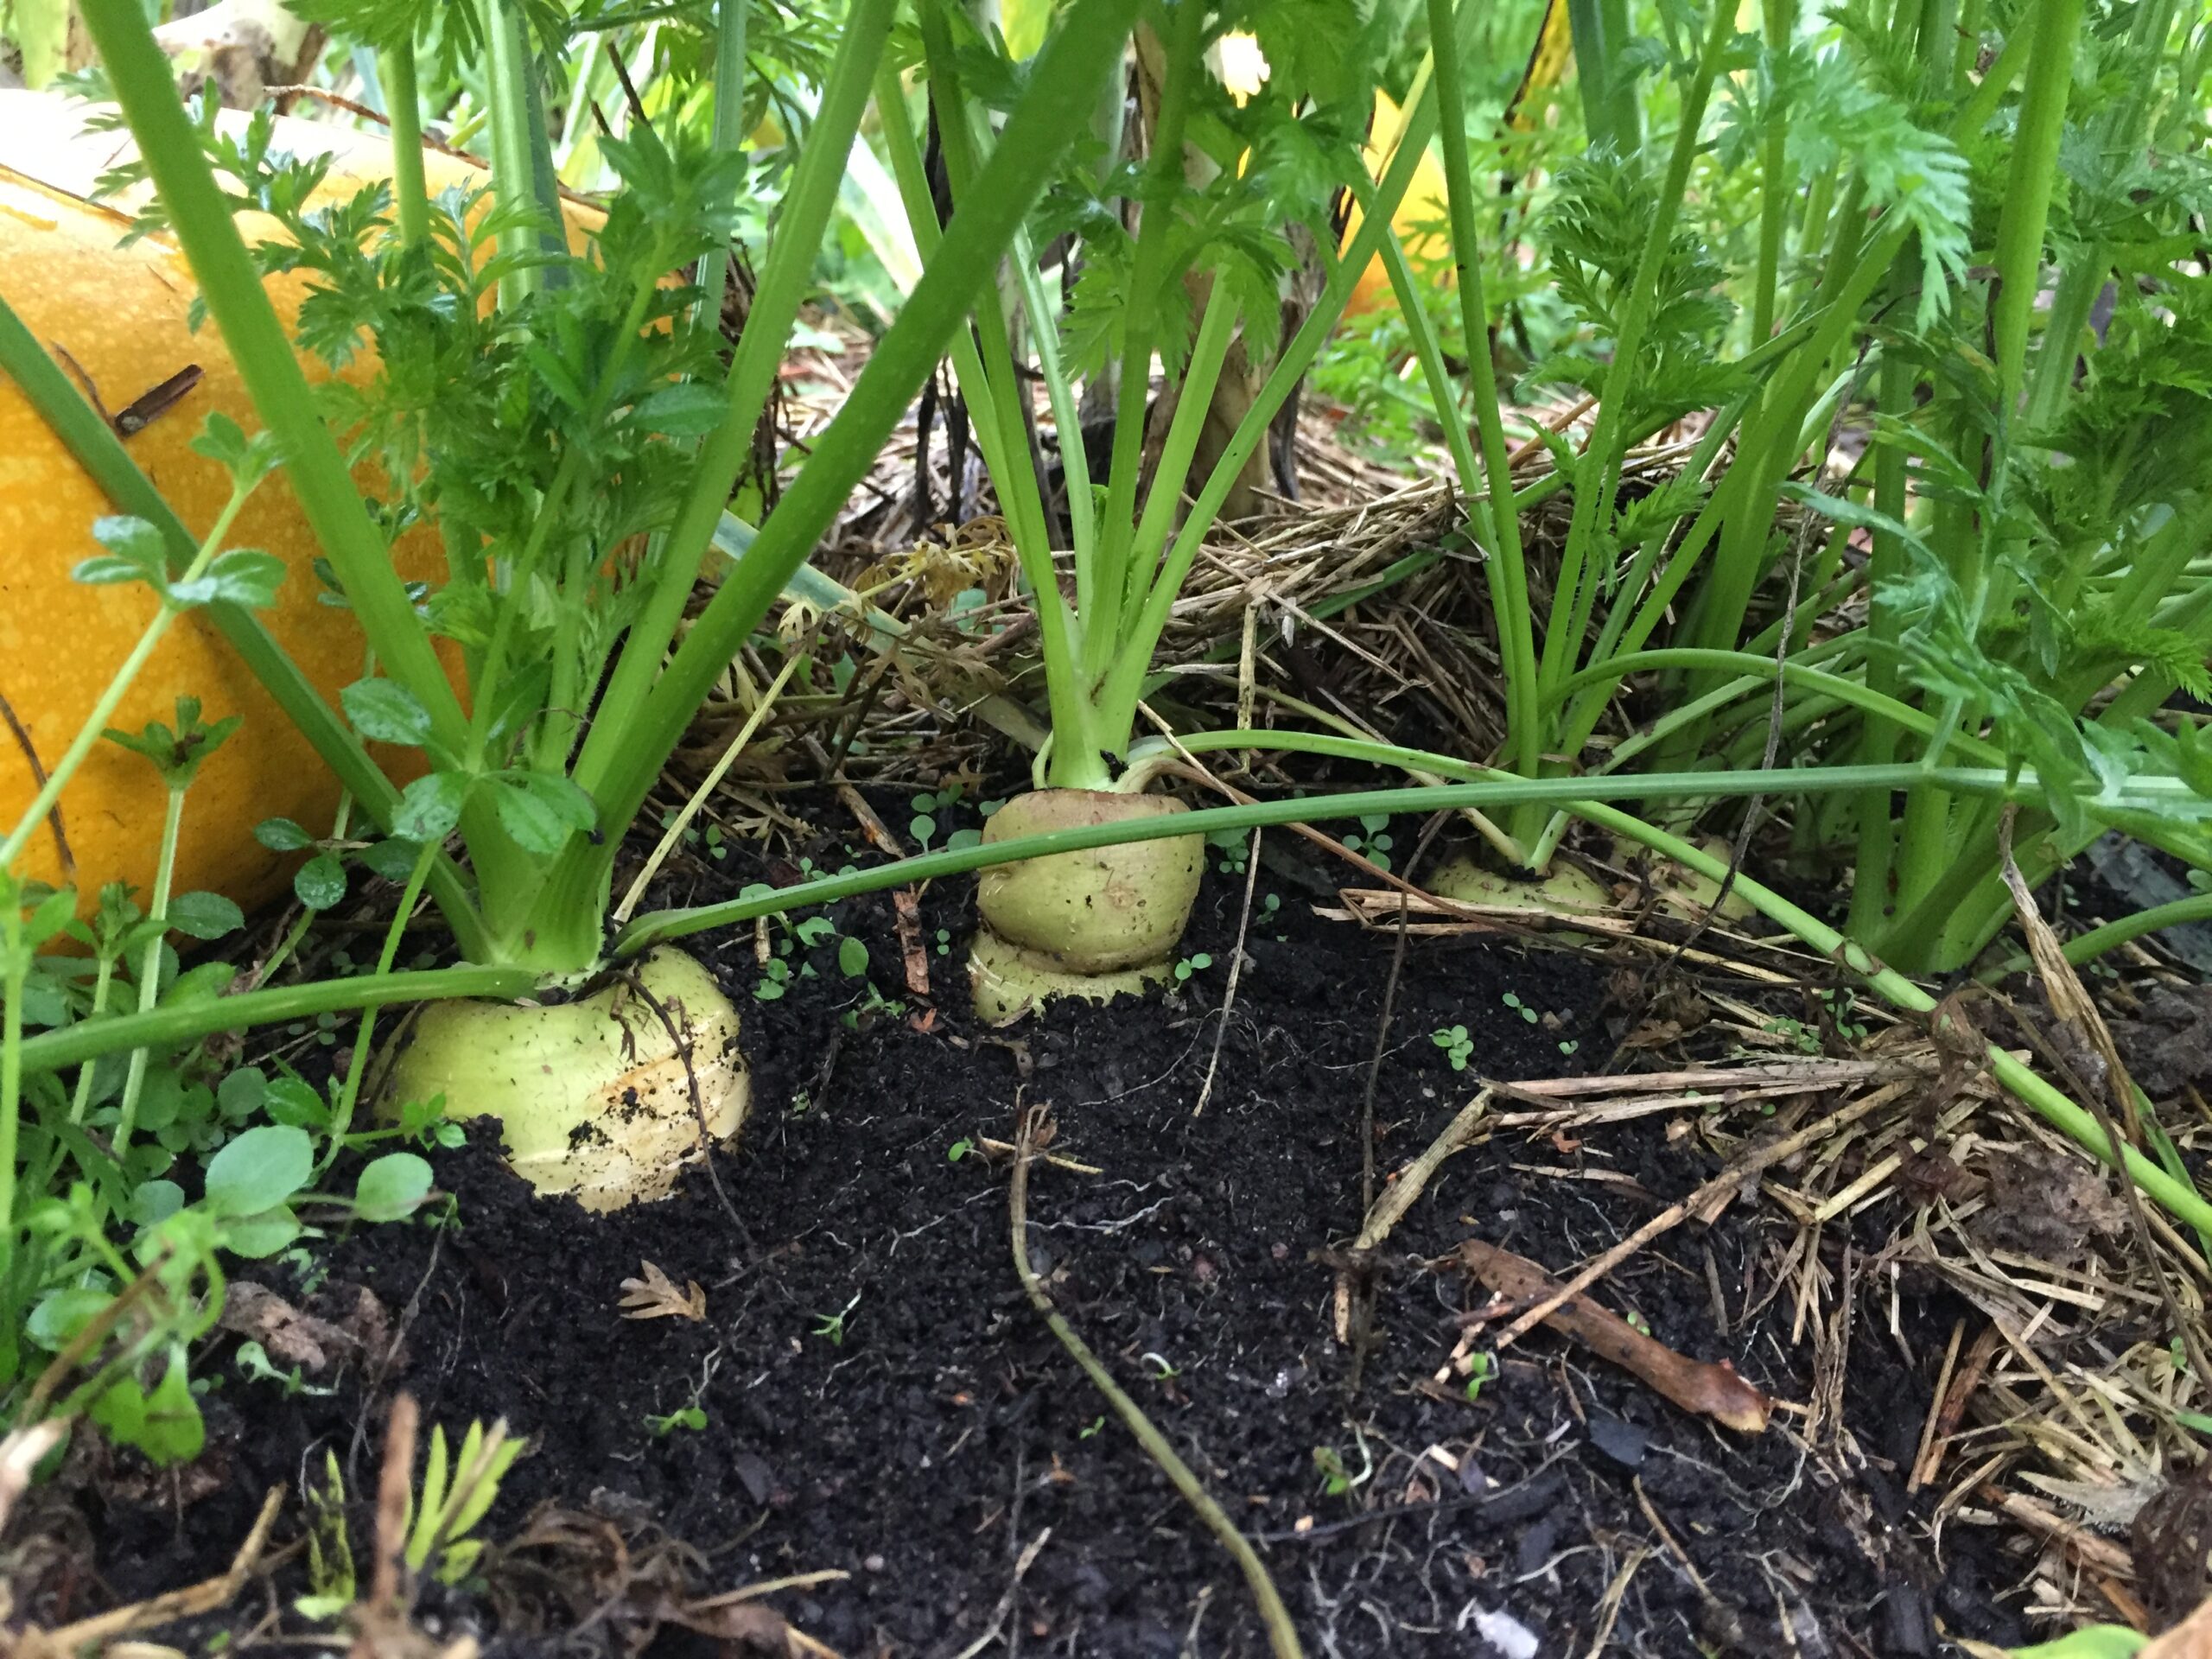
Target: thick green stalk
x=1118, y=583
x=1598, y=474
x=1117, y=700
x=1063, y=87
x=403, y=104
x=1505, y=568
x=729, y=135
x=1217, y=328
x=508, y=74
x=149, y=968
x=801, y=225
x=1599, y=32
x=1076, y=760
x=1877, y=743
x=1776, y=181
x=144, y=84
x=2054, y=25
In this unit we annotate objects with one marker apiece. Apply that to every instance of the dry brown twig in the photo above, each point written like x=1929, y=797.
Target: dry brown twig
x=205, y=1597
x=2111, y=1094
x=1709, y=1197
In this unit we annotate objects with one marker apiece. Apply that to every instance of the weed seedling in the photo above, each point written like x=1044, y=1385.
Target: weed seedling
x=1091, y=1427
x=958, y=1150
x=1235, y=846
x=876, y=1005
x=1196, y=962
x=253, y=1360
x=1514, y=1002
x=1336, y=1480
x=1458, y=1046
x=1370, y=842
x=693, y=1417
x=1485, y=1368
x=832, y=1326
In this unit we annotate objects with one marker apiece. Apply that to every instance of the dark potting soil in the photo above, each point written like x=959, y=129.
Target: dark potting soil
x=880, y=1400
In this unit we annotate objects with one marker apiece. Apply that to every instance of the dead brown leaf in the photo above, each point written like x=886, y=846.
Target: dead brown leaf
x=656, y=1297
x=1714, y=1391
x=2170, y=1538
x=2170, y=1045
x=292, y=1338
x=2047, y=1204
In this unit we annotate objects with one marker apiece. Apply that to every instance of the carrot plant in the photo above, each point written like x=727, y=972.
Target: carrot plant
x=562, y=419
x=2017, y=551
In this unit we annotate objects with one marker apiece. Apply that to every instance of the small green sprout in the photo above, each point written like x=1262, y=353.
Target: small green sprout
x=1336, y=1479
x=1458, y=1046
x=832, y=1326
x=1369, y=842
x=693, y=1417
x=958, y=1150
x=1091, y=1427
x=1197, y=962
x=1485, y=1368
x=1519, y=1006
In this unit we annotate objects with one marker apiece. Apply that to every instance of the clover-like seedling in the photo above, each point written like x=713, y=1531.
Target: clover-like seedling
x=1458, y=1047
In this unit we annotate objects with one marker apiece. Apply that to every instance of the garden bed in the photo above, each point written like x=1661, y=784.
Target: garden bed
x=880, y=1401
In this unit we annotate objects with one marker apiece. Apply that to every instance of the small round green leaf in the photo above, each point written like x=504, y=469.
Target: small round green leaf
x=259, y=1170
x=852, y=959
x=391, y=1187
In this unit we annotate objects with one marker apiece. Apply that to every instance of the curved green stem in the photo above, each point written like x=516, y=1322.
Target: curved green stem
x=2088, y=947
x=1755, y=668
x=1493, y=789
x=2182, y=1202
x=1505, y=568
x=188, y=1023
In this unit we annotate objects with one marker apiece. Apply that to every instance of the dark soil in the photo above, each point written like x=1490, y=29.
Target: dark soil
x=938, y=1432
